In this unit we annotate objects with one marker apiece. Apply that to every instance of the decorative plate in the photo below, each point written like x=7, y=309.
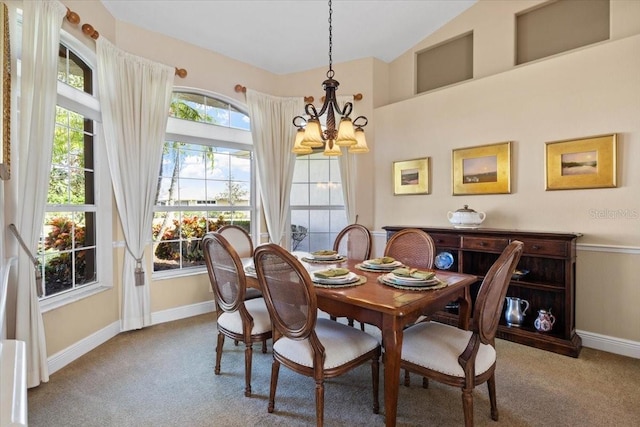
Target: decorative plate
x=444, y=260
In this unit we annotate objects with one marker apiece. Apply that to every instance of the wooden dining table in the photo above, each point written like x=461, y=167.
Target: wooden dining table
x=390, y=309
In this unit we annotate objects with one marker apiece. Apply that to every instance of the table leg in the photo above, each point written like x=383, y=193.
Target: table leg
x=464, y=310
x=392, y=340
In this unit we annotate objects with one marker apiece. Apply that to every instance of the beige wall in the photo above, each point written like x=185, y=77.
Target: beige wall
x=589, y=91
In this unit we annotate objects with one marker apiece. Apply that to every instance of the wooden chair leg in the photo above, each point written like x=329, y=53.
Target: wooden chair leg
x=491, y=384
x=350, y=322
x=407, y=378
x=275, y=369
x=219, y=346
x=334, y=318
x=467, y=406
x=362, y=326
x=264, y=346
x=320, y=402
x=425, y=382
x=248, y=355
x=375, y=379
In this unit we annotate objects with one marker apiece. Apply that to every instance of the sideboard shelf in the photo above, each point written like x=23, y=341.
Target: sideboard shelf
x=550, y=283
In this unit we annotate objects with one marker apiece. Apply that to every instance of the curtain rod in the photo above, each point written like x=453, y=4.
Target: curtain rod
x=89, y=31
x=308, y=99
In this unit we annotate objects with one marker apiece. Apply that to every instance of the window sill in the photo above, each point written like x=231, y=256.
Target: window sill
x=172, y=274
x=71, y=297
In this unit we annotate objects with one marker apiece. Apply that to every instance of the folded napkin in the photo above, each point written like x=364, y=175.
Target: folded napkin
x=324, y=252
x=383, y=260
x=331, y=273
x=414, y=273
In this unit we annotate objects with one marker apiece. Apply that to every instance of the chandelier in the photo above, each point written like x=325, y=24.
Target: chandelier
x=348, y=134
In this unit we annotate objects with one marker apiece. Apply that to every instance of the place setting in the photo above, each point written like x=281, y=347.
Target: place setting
x=325, y=256
x=379, y=265
x=336, y=278
x=412, y=279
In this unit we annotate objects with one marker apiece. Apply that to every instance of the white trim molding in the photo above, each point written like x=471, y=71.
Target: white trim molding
x=609, y=344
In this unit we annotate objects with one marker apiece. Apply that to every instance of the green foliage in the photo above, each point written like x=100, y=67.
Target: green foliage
x=191, y=230
x=58, y=269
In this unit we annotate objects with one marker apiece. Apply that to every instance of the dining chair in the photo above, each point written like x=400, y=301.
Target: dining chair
x=242, y=320
x=242, y=243
x=354, y=242
x=239, y=238
x=412, y=247
x=311, y=346
x=459, y=357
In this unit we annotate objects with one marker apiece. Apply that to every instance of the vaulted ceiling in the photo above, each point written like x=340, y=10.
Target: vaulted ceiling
x=286, y=36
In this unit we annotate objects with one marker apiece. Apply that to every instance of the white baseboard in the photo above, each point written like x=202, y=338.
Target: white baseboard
x=609, y=344
x=182, y=312
x=82, y=347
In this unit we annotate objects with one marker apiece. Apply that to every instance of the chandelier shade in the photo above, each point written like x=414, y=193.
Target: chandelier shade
x=349, y=133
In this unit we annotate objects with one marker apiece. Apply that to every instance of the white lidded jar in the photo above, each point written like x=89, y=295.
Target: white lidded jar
x=466, y=218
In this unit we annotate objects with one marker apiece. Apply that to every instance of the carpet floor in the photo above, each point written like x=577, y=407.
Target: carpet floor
x=163, y=376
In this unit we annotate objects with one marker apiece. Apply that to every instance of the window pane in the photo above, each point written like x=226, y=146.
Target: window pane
x=199, y=176
x=201, y=108
x=317, y=213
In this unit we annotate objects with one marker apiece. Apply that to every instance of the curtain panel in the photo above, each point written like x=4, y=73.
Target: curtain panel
x=135, y=96
x=273, y=134
x=42, y=21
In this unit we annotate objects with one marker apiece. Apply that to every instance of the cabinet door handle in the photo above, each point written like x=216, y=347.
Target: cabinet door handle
x=535, y=247
x=483, y=244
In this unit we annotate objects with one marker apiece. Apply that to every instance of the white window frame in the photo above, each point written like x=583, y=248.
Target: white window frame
x=89, y=106
x=212, y=135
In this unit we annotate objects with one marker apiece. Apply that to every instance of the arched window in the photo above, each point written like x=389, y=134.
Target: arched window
x=205, y=181
x=75, y=249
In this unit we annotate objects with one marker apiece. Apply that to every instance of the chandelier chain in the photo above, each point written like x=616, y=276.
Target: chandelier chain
x=330, y=72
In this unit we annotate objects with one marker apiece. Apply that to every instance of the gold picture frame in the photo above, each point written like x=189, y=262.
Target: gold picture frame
x=484, y=169
x=581, y=163
x=5, y=128
x=411, y=176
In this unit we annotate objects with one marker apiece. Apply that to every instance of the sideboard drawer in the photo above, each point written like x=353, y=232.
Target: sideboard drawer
x=446, y=240
x=484, y=243
x=545, y=247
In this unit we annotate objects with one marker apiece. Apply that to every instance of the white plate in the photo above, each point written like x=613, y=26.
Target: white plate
x=325, y=257
x=408, y=279
x=392, y=278
x=390, y=265
x=348, y=278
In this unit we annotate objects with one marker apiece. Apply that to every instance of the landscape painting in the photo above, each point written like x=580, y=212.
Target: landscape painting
x=581, y=163
x=484, y=169
x=411, y=176
x=480, y=169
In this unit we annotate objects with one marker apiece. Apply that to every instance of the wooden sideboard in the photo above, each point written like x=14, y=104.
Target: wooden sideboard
x=550, y=259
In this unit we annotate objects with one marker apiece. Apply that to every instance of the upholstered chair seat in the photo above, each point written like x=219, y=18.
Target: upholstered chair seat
x=436, y=346
x=332, y=336
x=232, y=321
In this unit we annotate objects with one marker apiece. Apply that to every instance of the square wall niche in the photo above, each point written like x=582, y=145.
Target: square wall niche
x=444, y=64
x=560, y=26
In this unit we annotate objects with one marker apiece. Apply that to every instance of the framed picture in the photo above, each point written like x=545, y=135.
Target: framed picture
x=5, y=128
x=581, y=163
x=411, y=176
x=485, y=169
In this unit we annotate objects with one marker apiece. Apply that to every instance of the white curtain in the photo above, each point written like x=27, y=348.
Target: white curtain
x=273, y=135
x=42, y=21
x=135, y=95
x=348, y=172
